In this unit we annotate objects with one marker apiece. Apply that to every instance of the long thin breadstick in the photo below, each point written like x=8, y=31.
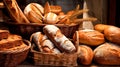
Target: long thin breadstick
x=77, y=13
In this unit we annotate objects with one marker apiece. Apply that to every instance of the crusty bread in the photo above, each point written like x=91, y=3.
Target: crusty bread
x=107, y=54
x=34, y=12
x=60, y=40
x=4, y=34
x=85, y=55
x=12, y=41
x=43, y=43
x=15, y=11
x=55, y=9
x=112, y=34
x=90, y=37
x=101, y=27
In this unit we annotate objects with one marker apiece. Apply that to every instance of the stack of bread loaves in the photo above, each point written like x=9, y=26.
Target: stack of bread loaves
x=52, y=41
x=10, y=41
x=106, y=42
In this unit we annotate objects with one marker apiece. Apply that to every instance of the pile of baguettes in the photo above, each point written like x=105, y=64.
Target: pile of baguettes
x=101, y=45
x=10, y=42
x=47, y=14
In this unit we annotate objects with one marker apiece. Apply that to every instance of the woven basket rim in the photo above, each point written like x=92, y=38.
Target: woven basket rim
x=20, y=50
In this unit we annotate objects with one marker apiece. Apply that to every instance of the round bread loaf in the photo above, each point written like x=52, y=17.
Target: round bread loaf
x=50, y=18
x=101, y=27
x=112, y=34
x=107, y=54
x=90, y=37
x=34, y=12
x=85, y=55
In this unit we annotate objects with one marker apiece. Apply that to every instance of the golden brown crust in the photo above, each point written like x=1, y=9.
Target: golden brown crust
x=10, y=42
x=85, y=55
x=107, y=54
x=112, y=34
x=55, y=9
x=91, y=37
x=101, y=27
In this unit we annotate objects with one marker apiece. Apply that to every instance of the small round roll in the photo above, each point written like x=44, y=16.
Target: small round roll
x=50, y=18
x=85, y=55
x=107, y=54
x=112, y=34
x=90, y=37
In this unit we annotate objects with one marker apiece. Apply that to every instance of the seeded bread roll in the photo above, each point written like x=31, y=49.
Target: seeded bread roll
x=90, y=37
x=107, y=54
x=60, y=40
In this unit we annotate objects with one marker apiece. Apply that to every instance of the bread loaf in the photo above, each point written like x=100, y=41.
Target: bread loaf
x=55, y=9
x=60, y=40
x=15, y=11
x=43, y=43
x=12, y=41
x=107, y=54
x=34, y=12
x=112, y=34
x=85, y=55
x=4, y=34
x=101, y=27
x=90, y=37
x=50, y=18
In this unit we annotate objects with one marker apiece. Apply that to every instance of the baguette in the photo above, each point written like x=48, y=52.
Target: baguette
x=15, y=11
x=60, y=40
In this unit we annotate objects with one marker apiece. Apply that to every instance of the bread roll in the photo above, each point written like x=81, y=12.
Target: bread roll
x=50, y=18
x=34, y=12
x=85, y=55
x=107, y=54
x=112, y=34
x=90, y=37
x=60, y=40
x=101, y=27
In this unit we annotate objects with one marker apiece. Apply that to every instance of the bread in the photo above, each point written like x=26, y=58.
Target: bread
x=55, y=9
x=85, y=55
x=34, y=12
x=112, y=34
x=90, y=37
x=43, y=43
x=4, y=34
x=15, y=11
x=47, y=8
x=60, y=40
x=107, y=54
x=50, y=18
x=12, y=41
x=101, y=27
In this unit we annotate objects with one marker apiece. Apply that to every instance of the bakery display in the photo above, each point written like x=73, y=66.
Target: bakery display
x=107, y=54
x=90, y=37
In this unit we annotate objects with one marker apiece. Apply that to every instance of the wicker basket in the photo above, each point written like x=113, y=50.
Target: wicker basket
x=26, y=30
x=48, y=59
x=15, y=57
